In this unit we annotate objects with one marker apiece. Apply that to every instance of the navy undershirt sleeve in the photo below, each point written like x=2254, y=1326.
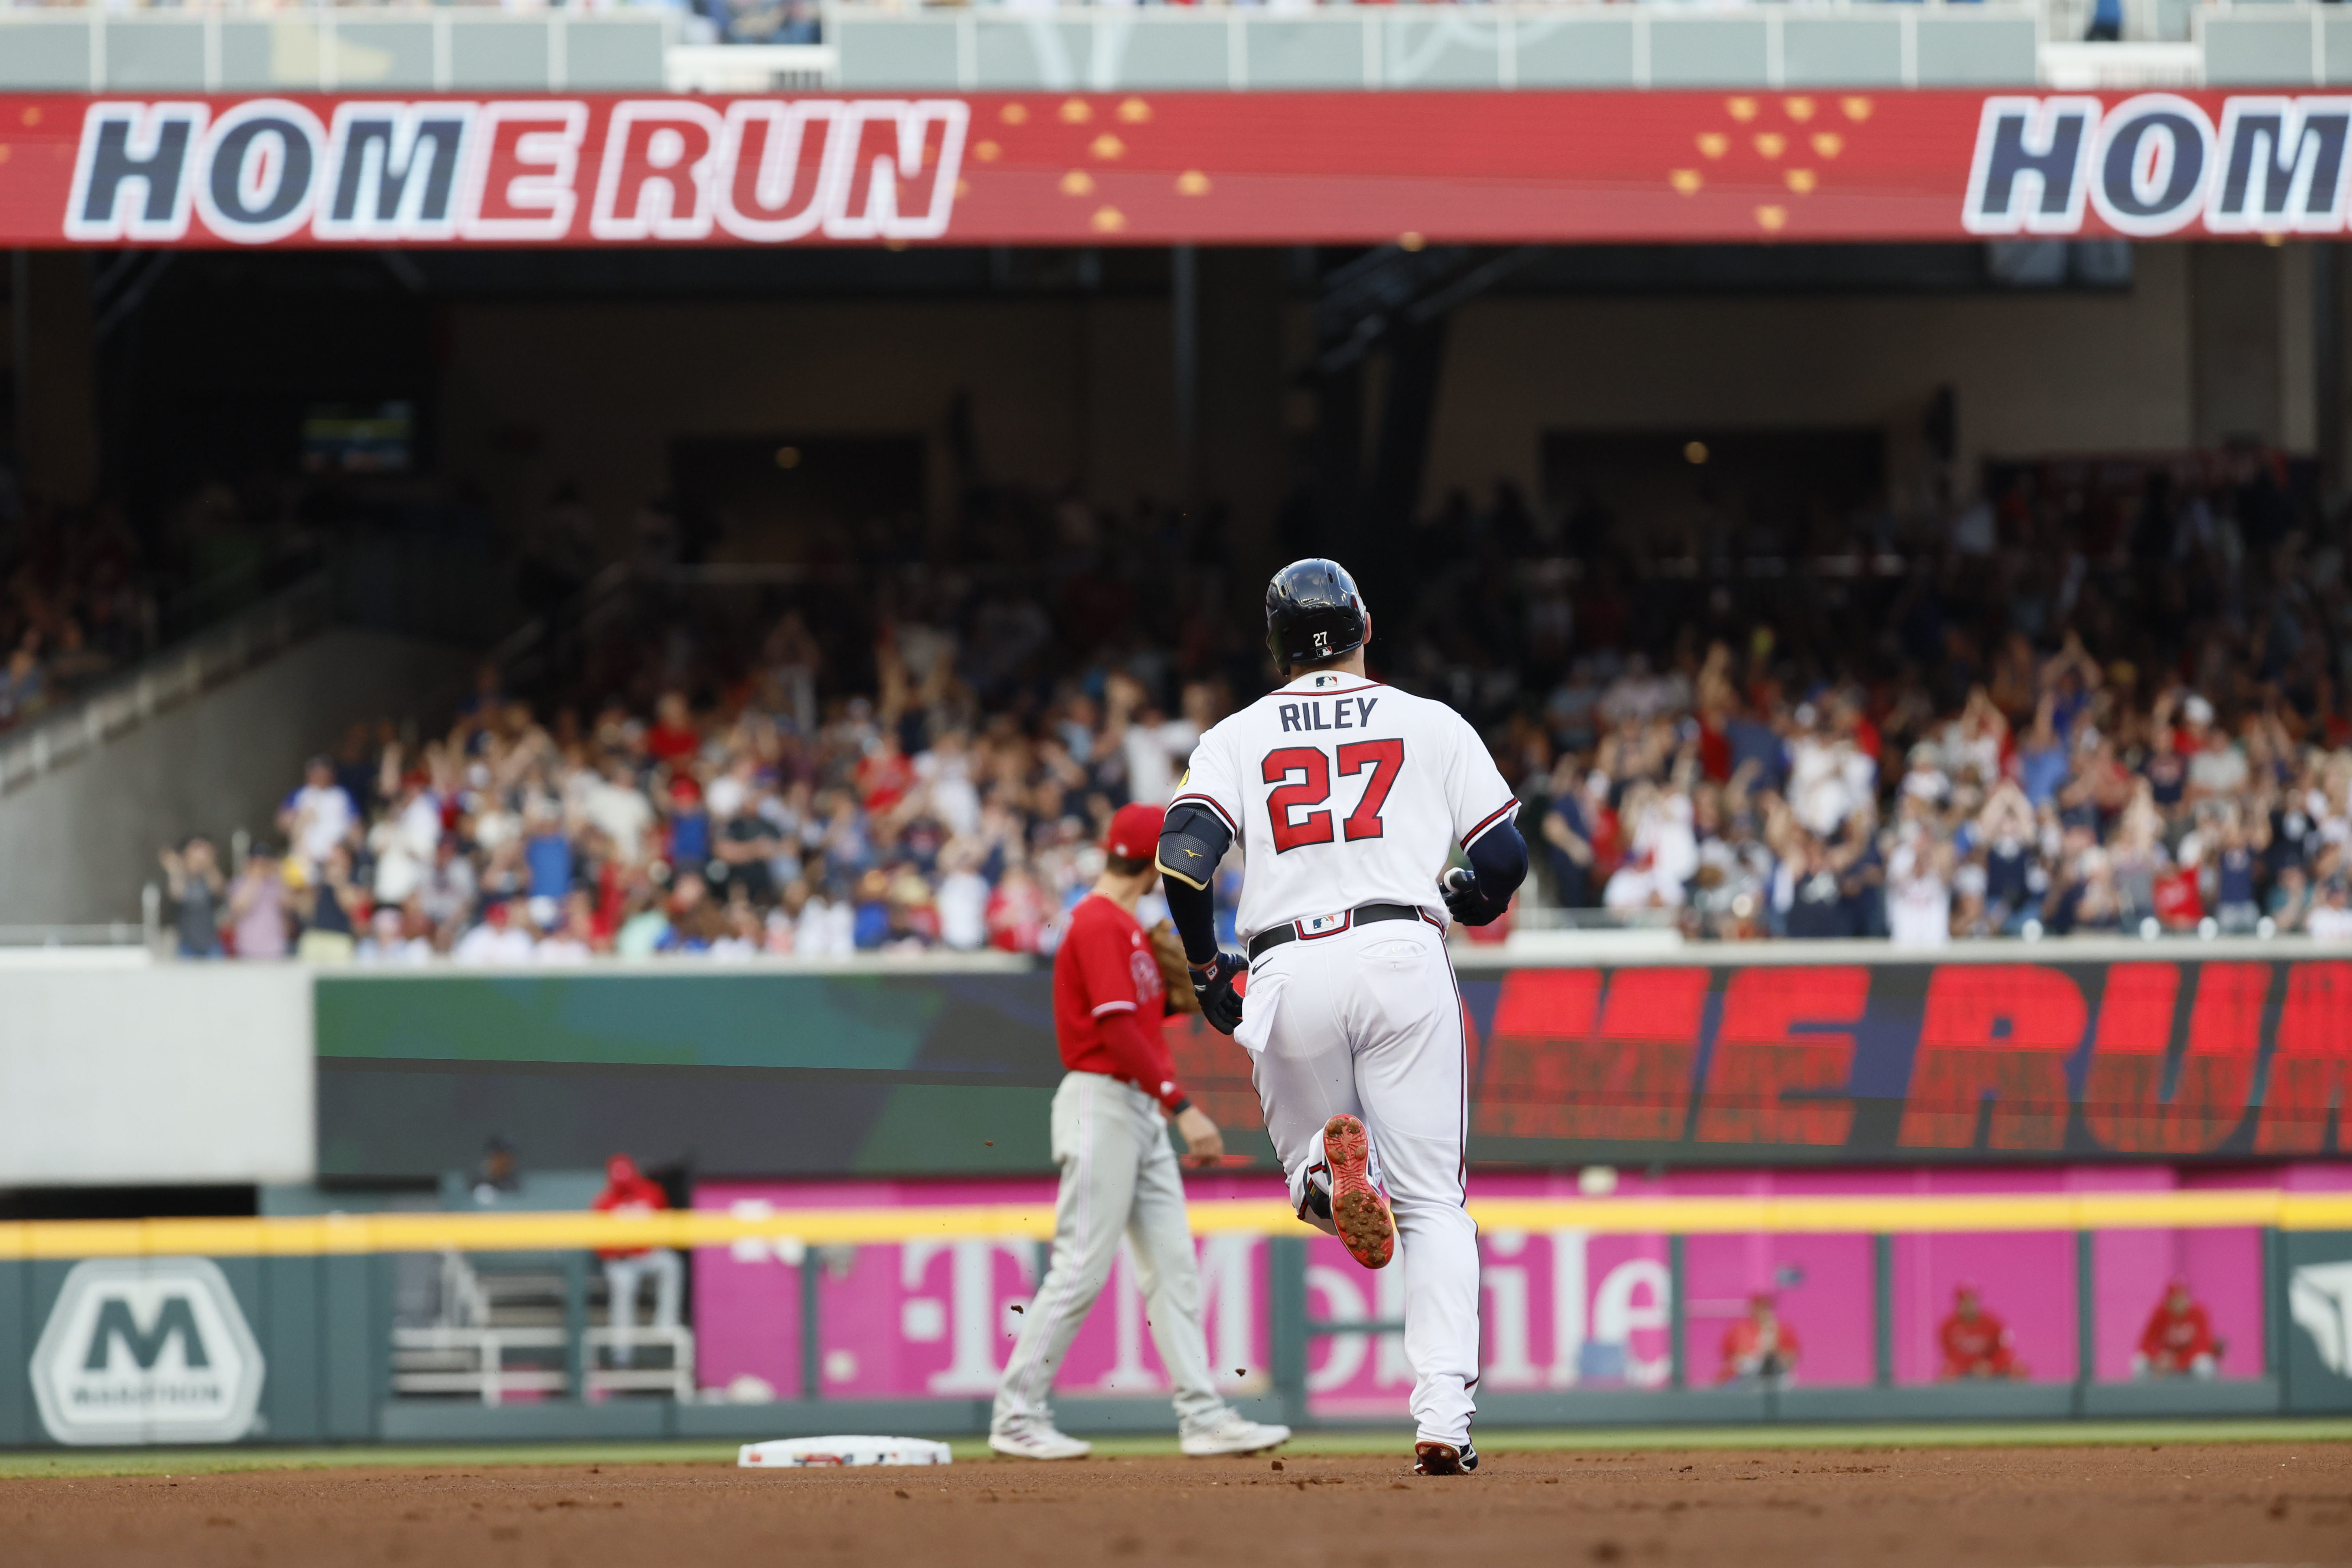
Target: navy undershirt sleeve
x=1498, y=859
x=1194, y=911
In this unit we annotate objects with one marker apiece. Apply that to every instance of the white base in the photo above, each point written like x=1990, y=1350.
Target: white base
x=802, y=1452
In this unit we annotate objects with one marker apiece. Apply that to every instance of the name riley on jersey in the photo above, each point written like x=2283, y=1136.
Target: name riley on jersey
x=1334, y=713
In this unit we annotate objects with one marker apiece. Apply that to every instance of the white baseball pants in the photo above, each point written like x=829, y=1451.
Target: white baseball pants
x=1368, y=1021
x=621, y=1277
x=1118, y=1178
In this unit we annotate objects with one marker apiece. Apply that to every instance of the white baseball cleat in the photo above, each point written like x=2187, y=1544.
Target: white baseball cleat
x=1037, y=1440
x=1231, y=1433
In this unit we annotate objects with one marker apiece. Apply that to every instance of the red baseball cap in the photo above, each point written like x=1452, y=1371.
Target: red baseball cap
x=1135, y=831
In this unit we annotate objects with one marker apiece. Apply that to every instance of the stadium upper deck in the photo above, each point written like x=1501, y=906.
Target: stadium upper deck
x=1492, y=124
x=234, y=48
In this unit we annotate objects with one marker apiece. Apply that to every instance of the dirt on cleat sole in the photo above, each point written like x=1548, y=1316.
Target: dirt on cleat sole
x=1440, y=1459
x=1358, y=1213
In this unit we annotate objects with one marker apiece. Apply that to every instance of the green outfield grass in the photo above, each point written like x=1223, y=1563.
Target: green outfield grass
x=206, y=1461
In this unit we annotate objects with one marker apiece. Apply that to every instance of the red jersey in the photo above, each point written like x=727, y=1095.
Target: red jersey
x=1744, y=1347
x=2174, y=1340
x=673, y=743
x=1108, y=1003
x=629, y=1193
x=1976, y=1349
x=2179, y=901
x=884, y=778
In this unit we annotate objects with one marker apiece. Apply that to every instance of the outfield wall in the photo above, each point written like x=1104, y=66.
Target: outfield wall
x=891, y=1307
x=1579, y=1298
x=165, y=1074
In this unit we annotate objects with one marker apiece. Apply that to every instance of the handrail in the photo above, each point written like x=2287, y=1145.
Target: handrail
x=165, y=680
x=355, y=1234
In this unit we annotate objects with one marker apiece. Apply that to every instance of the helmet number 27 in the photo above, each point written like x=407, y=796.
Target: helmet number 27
x=1302, y=779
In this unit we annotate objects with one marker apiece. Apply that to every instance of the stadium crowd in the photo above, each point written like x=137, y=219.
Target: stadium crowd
x=2083, y=707
x=73, y=602
x=88, y=589
x=730, y=834
x=2195, y=774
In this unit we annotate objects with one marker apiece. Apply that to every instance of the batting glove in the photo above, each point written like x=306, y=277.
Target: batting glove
x=1466, y=901
x=1220, y=1005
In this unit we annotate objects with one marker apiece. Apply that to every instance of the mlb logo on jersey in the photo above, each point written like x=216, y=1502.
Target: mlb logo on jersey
x=1325, y=925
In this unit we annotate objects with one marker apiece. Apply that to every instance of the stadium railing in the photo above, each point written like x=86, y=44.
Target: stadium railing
x=245, y=619
x=901, y=45
x=180, y=674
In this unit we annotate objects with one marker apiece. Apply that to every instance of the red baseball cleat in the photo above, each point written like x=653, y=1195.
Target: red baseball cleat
x=1357, y=1210
x=1444, y=1459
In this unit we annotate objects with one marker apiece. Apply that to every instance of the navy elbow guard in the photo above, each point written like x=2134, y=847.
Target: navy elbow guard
x=1191, y=841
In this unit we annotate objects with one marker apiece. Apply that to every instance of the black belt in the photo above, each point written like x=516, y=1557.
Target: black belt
x=1363, y=914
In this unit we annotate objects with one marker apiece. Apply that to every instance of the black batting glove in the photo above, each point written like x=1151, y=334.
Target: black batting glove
x=1220, y=1005
x=1466, y=901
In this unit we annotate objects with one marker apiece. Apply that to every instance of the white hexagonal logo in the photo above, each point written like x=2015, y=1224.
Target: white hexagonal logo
x=147, y=1349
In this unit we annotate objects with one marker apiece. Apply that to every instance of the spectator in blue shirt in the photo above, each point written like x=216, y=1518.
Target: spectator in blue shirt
x=2041, y=757
x=547, y=850
x=690, y=826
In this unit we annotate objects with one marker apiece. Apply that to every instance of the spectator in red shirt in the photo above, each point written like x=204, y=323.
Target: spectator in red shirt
x=2178, y=1340
x=627, y=1191
x=2179, y=904
x=1119, y=1171
x=1975, y=1344
x=673, y=739
x=1760, y=1347
x=1016, y=911
x=883, y=775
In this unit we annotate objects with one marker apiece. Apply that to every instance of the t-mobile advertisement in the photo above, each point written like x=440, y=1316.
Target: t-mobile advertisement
x=1561, y=1310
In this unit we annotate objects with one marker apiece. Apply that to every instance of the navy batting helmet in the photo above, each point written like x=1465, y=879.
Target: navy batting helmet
x=1313, y=613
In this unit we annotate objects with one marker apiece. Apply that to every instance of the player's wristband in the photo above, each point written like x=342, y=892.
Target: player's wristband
x=1184, y=1104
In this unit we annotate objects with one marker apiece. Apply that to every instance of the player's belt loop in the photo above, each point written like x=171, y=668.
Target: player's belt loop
x=1363, y=914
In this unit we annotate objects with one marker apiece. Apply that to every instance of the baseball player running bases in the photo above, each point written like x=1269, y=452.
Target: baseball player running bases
x=1119, y=1172
x=1346, y=798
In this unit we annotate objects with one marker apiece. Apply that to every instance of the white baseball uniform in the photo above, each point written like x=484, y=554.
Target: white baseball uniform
x=1343, y=792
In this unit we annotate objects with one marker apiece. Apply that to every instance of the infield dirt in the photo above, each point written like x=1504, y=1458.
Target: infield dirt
x=2240, y=1503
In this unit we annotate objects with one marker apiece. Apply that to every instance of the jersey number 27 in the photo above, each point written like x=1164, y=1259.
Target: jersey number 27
x=1302, y=779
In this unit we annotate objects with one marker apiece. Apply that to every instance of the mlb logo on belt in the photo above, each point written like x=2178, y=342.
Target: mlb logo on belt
x=1323, y=925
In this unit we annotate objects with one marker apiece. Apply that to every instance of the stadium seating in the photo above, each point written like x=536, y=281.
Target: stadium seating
x=804, y=761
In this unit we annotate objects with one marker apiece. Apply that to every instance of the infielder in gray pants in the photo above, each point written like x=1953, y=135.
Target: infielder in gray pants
x=1119, y=1169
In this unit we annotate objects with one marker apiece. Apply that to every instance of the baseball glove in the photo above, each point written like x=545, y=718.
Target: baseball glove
x=1175, y=974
